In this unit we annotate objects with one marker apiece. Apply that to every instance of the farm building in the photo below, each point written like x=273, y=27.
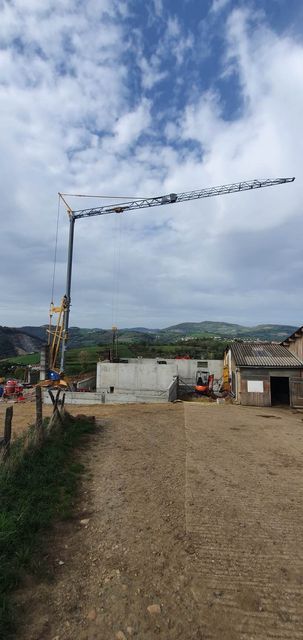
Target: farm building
x=264, y=374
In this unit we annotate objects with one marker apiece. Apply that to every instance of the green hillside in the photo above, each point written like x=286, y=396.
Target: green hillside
x=20, y=341
x=88, y=337
x=225, y=329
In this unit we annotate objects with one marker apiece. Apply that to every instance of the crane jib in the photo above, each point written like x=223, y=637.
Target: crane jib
x=144, y=203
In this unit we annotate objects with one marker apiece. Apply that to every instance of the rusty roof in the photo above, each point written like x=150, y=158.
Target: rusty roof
x=263, y=354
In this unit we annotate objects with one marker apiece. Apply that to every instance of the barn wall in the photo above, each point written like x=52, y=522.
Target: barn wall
x=296, y=348
x=252, y=398
x=259, y=399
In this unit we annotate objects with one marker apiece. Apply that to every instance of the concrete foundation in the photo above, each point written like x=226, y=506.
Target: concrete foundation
x=146, y=375
x=142, y=380
x=104, y=397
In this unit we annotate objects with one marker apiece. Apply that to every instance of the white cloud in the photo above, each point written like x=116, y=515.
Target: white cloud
x=262, y=140
x=158, y=7
x=151, y=71
x=176, y=41
x=73, y=121
x=132, y=124
x=219, y=5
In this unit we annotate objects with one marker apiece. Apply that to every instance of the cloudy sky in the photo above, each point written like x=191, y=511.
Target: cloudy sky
x=142, y=98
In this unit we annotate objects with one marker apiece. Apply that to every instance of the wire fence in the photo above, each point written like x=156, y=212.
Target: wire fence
x=41, y=428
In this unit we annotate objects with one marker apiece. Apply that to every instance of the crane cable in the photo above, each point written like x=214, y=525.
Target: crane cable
x=88, y=195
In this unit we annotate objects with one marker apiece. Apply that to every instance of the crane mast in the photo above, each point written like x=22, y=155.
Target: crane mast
x=58, y=338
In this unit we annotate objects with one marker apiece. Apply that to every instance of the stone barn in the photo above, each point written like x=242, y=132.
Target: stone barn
x=264, y=374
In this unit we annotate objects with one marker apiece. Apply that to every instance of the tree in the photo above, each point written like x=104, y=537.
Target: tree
x=83, y=359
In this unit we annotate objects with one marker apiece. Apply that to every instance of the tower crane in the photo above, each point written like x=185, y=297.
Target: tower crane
x=58, y=335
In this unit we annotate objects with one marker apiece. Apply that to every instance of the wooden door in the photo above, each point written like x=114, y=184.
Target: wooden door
x=296, y=392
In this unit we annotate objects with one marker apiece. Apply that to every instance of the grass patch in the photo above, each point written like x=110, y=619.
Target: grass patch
x=37, y=487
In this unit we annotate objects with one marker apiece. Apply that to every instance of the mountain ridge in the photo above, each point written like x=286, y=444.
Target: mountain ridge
x=20, y=340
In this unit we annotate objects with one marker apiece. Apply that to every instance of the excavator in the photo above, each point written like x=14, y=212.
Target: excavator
x=204, y=383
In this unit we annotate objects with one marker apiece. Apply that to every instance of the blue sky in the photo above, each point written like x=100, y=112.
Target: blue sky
x=141, y=98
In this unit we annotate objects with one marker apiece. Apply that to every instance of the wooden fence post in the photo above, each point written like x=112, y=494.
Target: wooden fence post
x=56, y=411
x=7, y=432
x=39, y=418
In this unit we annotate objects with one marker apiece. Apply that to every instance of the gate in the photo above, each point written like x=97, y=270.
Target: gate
x=296, y=392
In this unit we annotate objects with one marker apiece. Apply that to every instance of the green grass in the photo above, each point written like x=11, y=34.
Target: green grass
x=86, y=358
x=37, y=487
x=29, y=358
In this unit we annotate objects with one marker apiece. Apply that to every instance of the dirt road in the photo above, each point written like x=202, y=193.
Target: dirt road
x=191, y=529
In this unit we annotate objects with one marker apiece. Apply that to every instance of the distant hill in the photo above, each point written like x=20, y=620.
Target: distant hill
x=227, y=330
x=223, y=328
x=14, y=342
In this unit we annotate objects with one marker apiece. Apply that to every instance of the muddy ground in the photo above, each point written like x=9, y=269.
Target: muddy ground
x=189, y=526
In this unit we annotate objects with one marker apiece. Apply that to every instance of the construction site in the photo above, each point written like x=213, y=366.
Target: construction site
x=151, y=329
x=123, y=380
x=187, y=524
x=119, y=380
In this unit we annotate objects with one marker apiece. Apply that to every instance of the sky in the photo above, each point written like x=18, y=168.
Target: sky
x=140, y=98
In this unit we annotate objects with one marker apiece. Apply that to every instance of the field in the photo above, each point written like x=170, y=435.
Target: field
x=84, y=359
x=189, y=526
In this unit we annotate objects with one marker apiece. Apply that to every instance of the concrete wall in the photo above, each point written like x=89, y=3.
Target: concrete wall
x=88, y=384
x=143, y=382
x=90, y=398
x=135, y=376
x=173, y=390
x=145, y=373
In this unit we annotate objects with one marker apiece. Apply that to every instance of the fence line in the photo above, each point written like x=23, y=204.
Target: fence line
x=39, y=430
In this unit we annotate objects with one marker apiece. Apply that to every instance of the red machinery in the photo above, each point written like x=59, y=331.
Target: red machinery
x=13, y=389
x=204, y=383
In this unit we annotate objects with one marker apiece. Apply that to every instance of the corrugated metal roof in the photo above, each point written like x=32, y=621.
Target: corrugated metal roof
x=263, y=354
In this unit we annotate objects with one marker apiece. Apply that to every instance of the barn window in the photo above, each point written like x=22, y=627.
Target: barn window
x=255, y=386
